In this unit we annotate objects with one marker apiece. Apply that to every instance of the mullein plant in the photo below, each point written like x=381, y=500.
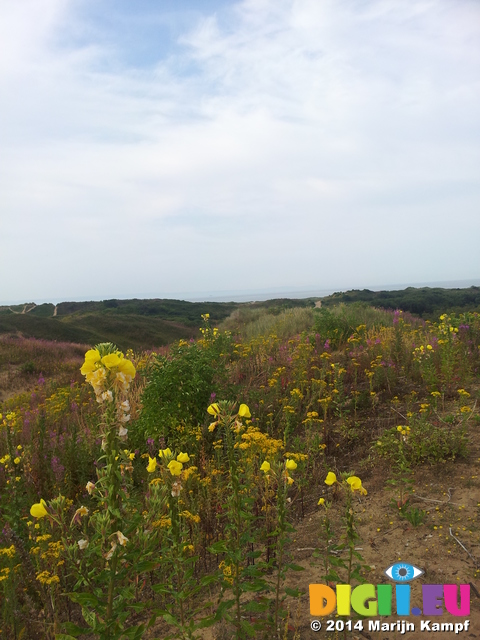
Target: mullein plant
x=97, y=548
x=240, y=574
x=178, y=552
x=279, y=473
x=348, y=485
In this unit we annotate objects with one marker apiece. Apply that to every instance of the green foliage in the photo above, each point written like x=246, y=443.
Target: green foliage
x=424, y=301
x=337, y=323
x=426, y=442
x=413, y=515
x=180, y=385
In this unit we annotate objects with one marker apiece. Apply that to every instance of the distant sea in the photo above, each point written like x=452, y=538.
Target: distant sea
x=286, y=292
x=256, y=295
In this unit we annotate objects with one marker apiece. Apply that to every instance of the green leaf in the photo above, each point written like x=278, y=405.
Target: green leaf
x=295, y=593
x=295, y=567
x=89, y=617
x=161, y=588
x=222, y=608
x=256, y=607
x=218, y=547
x=84, y=599
x=146, y=565
x=246, y=626
x=73, y=629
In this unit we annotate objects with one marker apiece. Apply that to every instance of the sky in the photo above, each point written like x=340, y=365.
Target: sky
x=189, y=148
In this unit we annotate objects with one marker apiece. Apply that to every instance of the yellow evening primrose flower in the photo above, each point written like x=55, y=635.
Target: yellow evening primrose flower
x=165, y=453
x=265, y=467
x=355, y=483
x=183, y=457
x=212, y=426
x=87, y=367
x=213, y=409
x=331, y=478
x=38, y=510
x=90, y=487
x=16, y=461
x=290, y=480
x=291, y=464
x=152, y=464
x=111, y=360
x=126, y=367
x=92, y=355
x=321, y=501
x=175, y=467
x=244, y=411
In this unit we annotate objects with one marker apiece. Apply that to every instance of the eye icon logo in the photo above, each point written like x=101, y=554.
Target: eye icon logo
x=403, y=572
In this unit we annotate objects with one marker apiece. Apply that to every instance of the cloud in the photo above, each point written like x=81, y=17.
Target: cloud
x=270, y=143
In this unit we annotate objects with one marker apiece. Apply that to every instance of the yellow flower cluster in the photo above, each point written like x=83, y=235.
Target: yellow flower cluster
x=174, y=466
x=403, y=430
x=259, y=442
x=190, y=516
x=4, y=573
x=46, y=578
x=8, y=551
x=111, y=368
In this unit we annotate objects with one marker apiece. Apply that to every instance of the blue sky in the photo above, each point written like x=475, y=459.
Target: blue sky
x=159, y=148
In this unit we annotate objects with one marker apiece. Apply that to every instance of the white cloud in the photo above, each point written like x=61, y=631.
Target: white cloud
x=279, y=142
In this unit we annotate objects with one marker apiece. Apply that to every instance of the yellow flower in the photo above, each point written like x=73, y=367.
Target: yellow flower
x=81, y=511
x=152, y=464
x=38, y=510
x=265, y=467
x=244, y=411
x=290, y=480
x=175, y=467
x=111, y=360
x=87, y=367
x=321, y=501
x=331, y=478
x=92, y=355
x=126, y=367
x=213, y=409
x=165, y=453
x=17, y=461
x=212, y=426
x=291, y=464
x=183, y=457
x=355, y=483
x=90, y=487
